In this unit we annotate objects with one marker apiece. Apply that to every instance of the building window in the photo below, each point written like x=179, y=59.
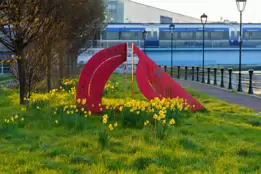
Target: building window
x=217, y=35
x=166, y=35
x=255, y=35
x=186, y=35
x=110, y=36
x=199, y=35
x=165, y=20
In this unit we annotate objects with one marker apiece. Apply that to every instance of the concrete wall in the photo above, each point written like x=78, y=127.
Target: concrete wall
x=139, y=13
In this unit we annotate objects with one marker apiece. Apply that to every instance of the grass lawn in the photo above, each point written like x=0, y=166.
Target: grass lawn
x=4, y=78
x=224, y=139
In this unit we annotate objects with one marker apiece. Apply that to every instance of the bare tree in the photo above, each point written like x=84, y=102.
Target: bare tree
x=80, y=24
x=22, y=21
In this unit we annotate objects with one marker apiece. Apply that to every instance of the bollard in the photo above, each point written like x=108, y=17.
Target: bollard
x=186, y=73
x=215, y=76
x=165, y=68
x=230, y=78
x=178, y=72
x=222, y=78
x=197, y=73
x=193, y=69
x=208, y=75
x=251, y=73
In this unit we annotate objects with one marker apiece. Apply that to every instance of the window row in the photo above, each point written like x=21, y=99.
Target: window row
x=128, y=35
x=153, y=35
x=194, y=35
x=254, y=35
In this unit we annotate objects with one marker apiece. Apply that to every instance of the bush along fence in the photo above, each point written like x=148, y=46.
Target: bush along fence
x=224, y=78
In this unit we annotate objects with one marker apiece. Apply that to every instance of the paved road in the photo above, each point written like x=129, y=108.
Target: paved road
x=225, y=95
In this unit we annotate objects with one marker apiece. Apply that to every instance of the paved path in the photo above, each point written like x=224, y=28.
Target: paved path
x=225, y=95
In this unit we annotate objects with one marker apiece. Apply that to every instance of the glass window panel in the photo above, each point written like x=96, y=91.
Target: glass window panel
x=217, y=35
x=246, y=35
x=167, y=35
x=128, y=36
x=186, y=35
x=199, y=35
x=155, y=35
x=165, y=20
x=112, y=35
x=232, y=34
x=256, y=35
x=149, y=35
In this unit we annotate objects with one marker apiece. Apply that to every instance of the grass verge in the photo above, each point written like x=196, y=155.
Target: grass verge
x=224, y=139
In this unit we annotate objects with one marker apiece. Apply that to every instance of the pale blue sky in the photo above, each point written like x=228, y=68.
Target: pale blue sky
x=213, y=8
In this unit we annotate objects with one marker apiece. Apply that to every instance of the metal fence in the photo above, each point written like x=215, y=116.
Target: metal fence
x=224, y=78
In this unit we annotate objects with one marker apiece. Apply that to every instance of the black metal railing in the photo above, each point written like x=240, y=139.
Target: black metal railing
x=222, y=77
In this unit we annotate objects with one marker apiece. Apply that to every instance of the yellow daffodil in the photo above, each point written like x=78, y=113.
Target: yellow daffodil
x=146, y=123
x=172, y=121
x=110, y=127
x=84, y=101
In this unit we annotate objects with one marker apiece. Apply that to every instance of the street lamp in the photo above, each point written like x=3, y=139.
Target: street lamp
x=144, y=33
x=241, y=4
x=171, y=27
x=204, y=19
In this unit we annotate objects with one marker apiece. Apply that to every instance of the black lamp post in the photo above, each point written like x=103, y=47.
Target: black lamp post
x=204, y=19
x=241, y=4
x=171, y=27
x=144, y=33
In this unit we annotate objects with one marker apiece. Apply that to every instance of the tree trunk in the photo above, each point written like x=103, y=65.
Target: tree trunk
x=61, y=68
x=49, y=72
x=22, y=79
x=72, y=64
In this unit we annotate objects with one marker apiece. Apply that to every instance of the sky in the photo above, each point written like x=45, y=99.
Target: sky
x=215, y=9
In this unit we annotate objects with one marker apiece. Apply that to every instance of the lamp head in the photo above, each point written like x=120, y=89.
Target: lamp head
x=171, y=27
x=241, y=5
x=204, y=18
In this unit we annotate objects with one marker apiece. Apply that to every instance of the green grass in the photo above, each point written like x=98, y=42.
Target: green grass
x=223, y=139
x=4, y=78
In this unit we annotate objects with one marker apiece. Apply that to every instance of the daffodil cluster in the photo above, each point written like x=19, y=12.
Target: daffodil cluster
x=111, y=87
x=14, y=119
x=7, y=62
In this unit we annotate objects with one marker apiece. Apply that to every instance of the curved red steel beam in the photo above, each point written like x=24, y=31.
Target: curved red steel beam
x=144, y=85
x=163, y=84
x=96, y=73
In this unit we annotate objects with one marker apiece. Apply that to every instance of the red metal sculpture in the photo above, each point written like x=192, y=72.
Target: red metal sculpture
x=162, y=85
x=96, y=74
x=152, y=80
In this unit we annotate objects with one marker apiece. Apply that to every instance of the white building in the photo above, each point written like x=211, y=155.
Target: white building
x=127, y=11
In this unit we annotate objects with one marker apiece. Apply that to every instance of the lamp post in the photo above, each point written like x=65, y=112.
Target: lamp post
x=144, y=33
x=204, y=19
x=171, y=27
x=241, y=4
